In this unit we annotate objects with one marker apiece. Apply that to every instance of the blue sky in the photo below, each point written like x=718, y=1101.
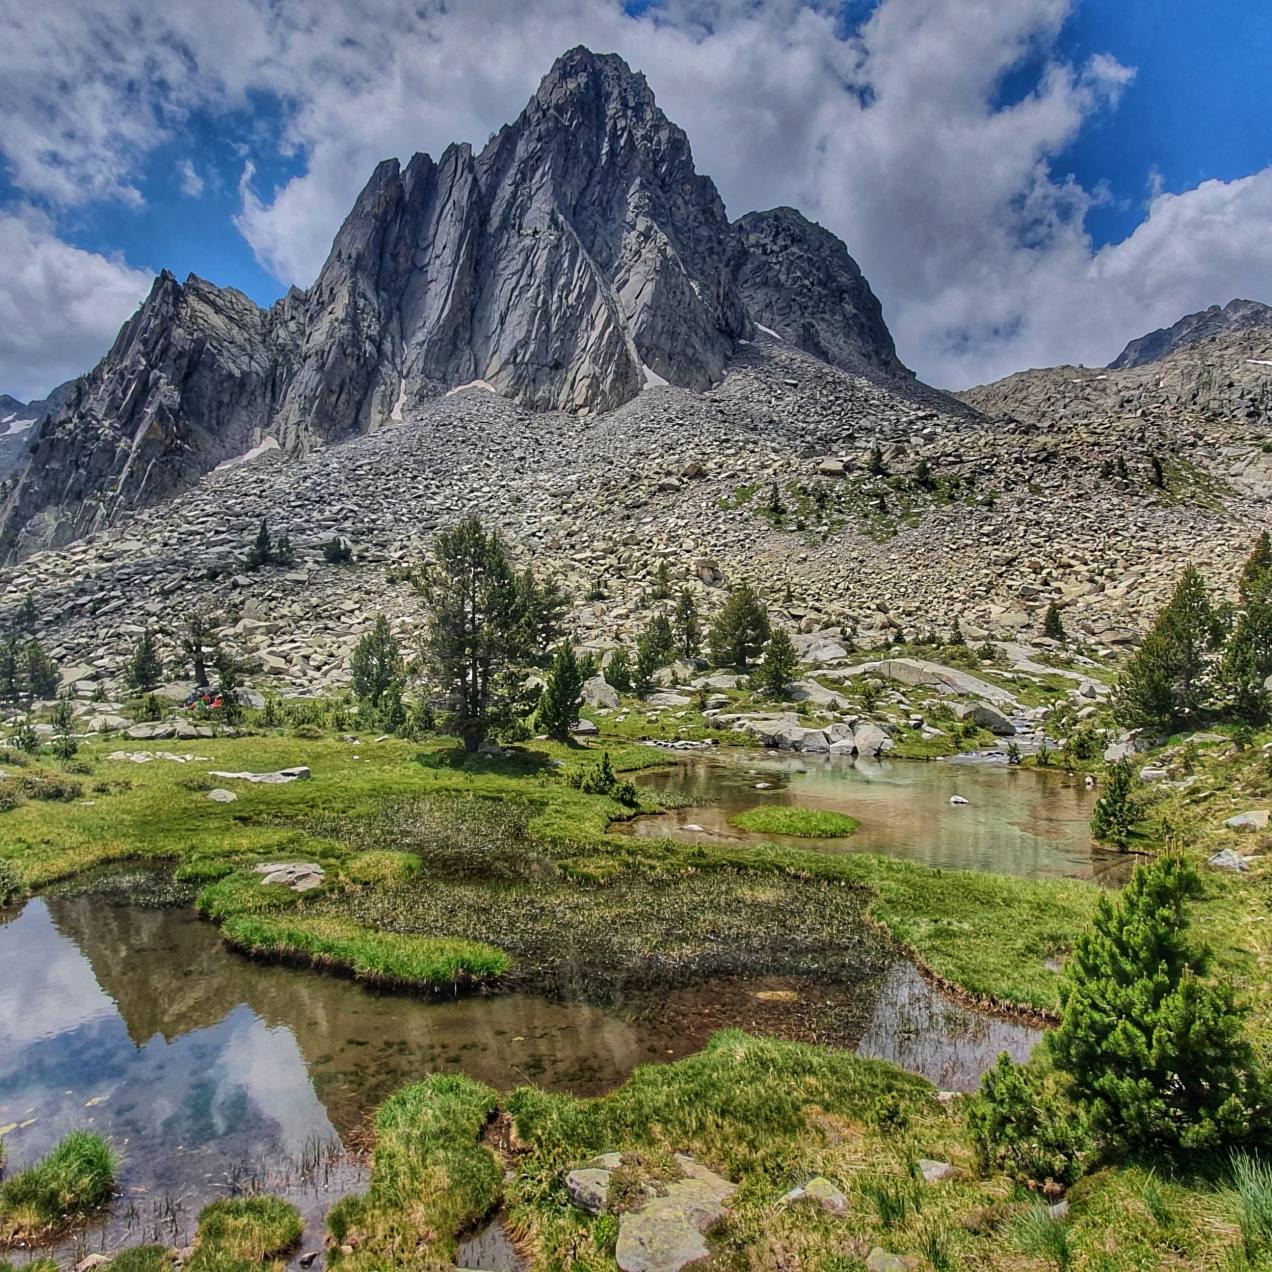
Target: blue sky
x=229, y=140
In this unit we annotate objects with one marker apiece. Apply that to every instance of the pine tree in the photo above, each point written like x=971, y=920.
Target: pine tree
x=541, y=607
x=1114, y=813
x=740, y=630
x=476, y=627
x=875, y=464
x=199, y=644
x=1256, y=574
x=1163, y=683
x=145, y=668
x=337, y=551
x=1158, y=478
x=26, y=612
x=563, y=694
x=660, y=638
x=956, y=633
x=62, y=719
x=662, y=582
x=284, y=553
x=688, y=626
x=10, y=669
x=1155, y=1051
x=619, y=672
x=376, y=664
x=229, y=680
x=1052, y=627
x=262, y=550
x=780, y=662
x=776, y=508
x=38, y=675
x=648, y=661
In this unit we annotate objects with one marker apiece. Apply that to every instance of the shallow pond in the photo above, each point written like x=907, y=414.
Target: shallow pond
x=213, y=1074
x=1016, y=821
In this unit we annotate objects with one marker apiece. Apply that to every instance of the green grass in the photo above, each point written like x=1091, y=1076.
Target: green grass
x=242, y=1233
x=374, y=956
x=143, y=1258
x=803, y=823
x=74, y=1180
x=430, y=1178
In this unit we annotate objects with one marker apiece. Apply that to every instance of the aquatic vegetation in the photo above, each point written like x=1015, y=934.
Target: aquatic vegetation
x=75, y=1179
x=807, y=823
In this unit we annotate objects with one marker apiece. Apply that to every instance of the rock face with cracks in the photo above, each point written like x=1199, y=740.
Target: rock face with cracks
x=577, y=259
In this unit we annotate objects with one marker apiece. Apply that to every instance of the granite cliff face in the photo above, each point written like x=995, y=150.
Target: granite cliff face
x=577, y=259
x=1236, y=315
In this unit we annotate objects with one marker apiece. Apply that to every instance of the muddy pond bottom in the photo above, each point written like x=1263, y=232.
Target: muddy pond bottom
x=1016, y=821
x=214, y=1075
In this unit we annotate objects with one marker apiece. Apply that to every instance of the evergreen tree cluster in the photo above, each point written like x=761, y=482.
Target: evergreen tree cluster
x=265, y=551
x=1201, y=657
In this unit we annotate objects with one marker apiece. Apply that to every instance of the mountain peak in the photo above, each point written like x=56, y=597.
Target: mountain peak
x=1236, y=315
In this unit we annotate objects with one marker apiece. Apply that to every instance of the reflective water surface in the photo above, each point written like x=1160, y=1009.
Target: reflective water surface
x=1016, y=821
x=213, y=1074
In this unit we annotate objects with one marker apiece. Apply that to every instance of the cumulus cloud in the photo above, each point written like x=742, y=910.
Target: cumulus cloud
x=892, y=136
x=60, y=307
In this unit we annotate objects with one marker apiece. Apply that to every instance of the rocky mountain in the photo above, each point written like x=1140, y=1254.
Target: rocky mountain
x=578, y=259
x=1236, y=315
x=16, y=421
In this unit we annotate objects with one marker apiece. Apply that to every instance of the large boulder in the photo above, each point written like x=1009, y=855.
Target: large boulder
x=597, y=692
x=869, y=740
x=987, y=717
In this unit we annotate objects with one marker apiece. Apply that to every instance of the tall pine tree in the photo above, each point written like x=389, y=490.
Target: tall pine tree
x=562, y=695
x=1164, y=683
x=740, y=630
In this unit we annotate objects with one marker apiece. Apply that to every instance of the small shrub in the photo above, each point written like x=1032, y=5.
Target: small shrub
x=50, y=787
x=337, y=551
x=889, y=1113
x=1021, y=1124
x=10, y=796
x=308, y=732
x=12, y=885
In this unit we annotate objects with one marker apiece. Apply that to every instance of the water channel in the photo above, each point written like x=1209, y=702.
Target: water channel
x=214, y=1075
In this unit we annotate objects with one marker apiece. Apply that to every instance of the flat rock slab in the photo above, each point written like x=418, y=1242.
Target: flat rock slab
x=588, y=1188
x=221, y=796
x=1228, y=860
x=299, y=876
x=1255, y=819
x=267, y=779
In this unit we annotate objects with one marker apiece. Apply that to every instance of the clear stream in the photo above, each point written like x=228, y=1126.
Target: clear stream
x=214, y=1075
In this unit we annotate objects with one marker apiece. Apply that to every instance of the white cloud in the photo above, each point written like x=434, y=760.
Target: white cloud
x=892, y=138
x=191, y=182
x=60, y=306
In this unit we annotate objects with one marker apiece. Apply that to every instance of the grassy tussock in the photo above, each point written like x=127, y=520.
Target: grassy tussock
x=430, y=1178
x=241, y=1233
x=805, y=823
x=74, y=1180
x=368, y=954
x=143, y=1258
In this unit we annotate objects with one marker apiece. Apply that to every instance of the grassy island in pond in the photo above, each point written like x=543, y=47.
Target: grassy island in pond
x=803, y=823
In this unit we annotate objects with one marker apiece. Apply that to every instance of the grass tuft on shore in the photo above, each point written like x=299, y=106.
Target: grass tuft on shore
x=143, y=1258
x=805, y=823
x=430, y=1177
x=371, y=955
x=75, y=1179
x=242, y=1233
